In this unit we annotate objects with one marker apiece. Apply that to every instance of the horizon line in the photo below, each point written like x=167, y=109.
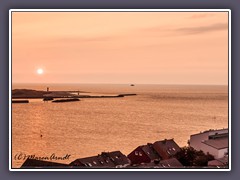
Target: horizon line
x=125, y=83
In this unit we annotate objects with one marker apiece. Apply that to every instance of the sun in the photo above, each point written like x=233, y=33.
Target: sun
x=39, y=71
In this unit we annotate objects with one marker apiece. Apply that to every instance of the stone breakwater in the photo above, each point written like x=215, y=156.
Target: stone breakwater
x=34, y=94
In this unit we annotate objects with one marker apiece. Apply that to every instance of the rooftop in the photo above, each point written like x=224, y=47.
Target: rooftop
x=210, y=130
x=168, y=163
x=173, y=162
x=219, y=162
x=151, y=153
x=218, y=143
x=39, y=163
x=168, y=146
x=106, y=159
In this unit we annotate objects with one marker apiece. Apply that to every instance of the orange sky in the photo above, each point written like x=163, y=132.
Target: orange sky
x=120, y=47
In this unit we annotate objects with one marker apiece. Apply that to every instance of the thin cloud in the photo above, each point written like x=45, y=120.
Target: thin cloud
x=82, y=39
x=202, y=29
x=166, y=32
x=67, y=41
x=202, y=15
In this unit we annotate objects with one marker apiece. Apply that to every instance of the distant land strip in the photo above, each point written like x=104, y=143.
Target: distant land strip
x=34, y=94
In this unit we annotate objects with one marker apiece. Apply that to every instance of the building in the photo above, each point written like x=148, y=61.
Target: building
x=34, y=163
x=113, y=159
x=214, y=142
x=166, y=148
x=171, y=163
x=143, y=154
x=167, y=163
x=221, y=162
x=159, y=150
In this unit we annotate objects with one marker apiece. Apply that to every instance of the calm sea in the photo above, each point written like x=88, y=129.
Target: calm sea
x=91, y=126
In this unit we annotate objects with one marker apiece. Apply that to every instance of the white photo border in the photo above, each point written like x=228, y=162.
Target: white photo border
x=118, y=10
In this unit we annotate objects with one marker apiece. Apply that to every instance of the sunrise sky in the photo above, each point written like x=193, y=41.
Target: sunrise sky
x=120, y=47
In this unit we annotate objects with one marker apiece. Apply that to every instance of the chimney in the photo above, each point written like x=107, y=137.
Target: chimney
x=165, y=141
x=156, y=161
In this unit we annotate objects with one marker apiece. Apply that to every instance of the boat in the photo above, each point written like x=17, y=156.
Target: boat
x=132, y=85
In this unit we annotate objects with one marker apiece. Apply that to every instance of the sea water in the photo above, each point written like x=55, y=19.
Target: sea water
x=94, y=125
